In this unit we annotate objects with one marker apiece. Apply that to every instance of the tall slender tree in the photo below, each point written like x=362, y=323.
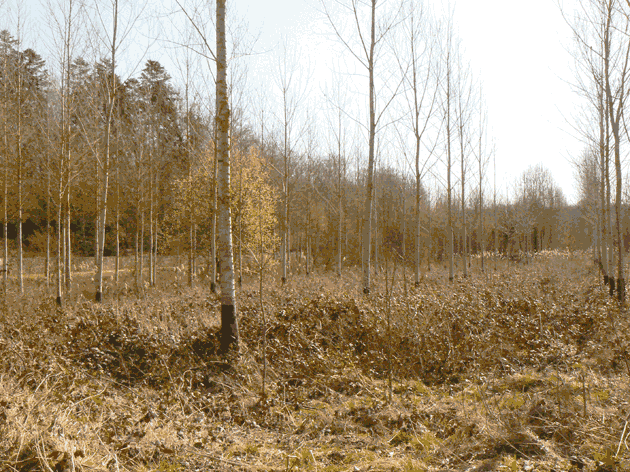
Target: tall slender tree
x=111, y=87
x=421, y=73
x=65, y=17
x=367, y=54
x=449, y=158
x=229, y=321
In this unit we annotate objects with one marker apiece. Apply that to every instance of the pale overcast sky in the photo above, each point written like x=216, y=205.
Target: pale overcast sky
x=519, y=50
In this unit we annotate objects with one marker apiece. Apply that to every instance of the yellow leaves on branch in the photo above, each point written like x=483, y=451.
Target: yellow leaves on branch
x=252, y=198
x=253, y=201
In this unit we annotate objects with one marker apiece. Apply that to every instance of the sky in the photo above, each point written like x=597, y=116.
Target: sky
x=521, y=50
x=518, y=50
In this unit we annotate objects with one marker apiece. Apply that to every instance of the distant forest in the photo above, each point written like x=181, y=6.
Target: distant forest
x=161, y=179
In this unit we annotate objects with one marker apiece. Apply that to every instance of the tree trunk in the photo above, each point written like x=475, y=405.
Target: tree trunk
x=339, y=232
x=59, y=241
x=97, y=225
x=603, y=156
x=141, y=274
x=151, y=261
x=47, y=269
x=117, y=225
x=229, y=322
x=214, y=219
x=376, y=266
x=136, y=258
x=155, y=252
x=191, y=254
x=68, y=258
x=430, y=241
x=5, y=222
x=283, y=248
x=618, y=209
x=369, y=190
x=417, y=258
x=240, y=229
x=111, y=100
x=451, y=271
x=464, y=235
x=609, y=241
x=20, y=261
x=482, y=242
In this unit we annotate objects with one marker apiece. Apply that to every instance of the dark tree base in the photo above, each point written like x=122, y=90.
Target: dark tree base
x=450, y=279
x=240, y=281
x=213, y=287
x=98, y=297
x=417, y=284
x=611, y=285
x=605, y=280
x=366, y=291
x=621, y=289
x=59, y=302
x=229, y=329
x=284, y=280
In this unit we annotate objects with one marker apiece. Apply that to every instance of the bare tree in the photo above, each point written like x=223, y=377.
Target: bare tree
x=338, y=129
x=112, y=91
x=588, y=179
x=7, y=50
x=464, y=106
x=482, y=162
x=367, y=55
x=292, y=91
x=616, y=71
x=421, y=71
x=111, y=37
x=65, y=19
x=19, y=113
x=449, y=65
x=601, y=31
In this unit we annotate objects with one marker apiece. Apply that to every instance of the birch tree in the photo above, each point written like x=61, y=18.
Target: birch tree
x=65, y=19
x=7, y=50
x=292, y=90
x=337, y=126
x=112, y=91
x=108, y=28
x=229, y=322
x=449, y=66
x=482, y=162
x=371, y=35
x=421, y=74
x=464, y=106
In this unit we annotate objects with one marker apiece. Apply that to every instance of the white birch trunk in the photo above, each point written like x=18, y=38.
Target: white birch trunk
x=229, y=322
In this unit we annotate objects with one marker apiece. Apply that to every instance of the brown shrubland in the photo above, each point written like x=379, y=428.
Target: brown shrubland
x=522, y=368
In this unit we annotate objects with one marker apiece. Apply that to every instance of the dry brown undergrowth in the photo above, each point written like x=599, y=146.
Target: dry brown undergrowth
x=519, y=369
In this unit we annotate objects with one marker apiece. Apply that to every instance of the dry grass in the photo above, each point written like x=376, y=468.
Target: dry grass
x=522, y=368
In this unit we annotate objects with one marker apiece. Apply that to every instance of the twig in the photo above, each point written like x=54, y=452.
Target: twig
x=621, y=438
x=223, y=461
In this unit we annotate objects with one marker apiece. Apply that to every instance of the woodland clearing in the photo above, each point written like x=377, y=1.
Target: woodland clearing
x=523, y=367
